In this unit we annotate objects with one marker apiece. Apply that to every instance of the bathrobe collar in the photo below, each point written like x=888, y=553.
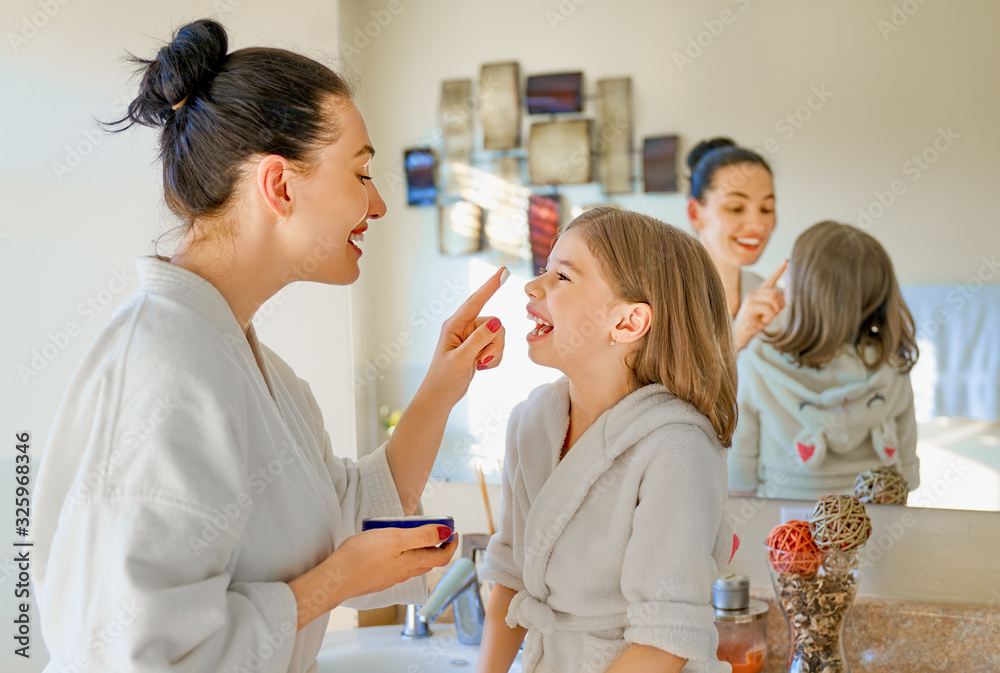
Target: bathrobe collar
x=569, y=481
x=158, y=275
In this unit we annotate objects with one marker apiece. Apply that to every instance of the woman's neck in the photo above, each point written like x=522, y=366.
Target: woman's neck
x=730, y=275
x=234, y=269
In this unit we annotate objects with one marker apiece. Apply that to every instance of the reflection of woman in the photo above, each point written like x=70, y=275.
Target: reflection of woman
x=191, y=512
x=732, y=209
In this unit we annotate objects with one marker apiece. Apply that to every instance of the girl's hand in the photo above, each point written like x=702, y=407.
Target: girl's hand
x=367, y=562
x=759, y=308
x=468, y=342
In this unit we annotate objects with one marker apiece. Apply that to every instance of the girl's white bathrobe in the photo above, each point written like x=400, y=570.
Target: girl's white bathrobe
x=621, y=540
x=180, y=490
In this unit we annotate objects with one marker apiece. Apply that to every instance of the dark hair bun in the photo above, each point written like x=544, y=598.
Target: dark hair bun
x=181, y=68
x=703, y=148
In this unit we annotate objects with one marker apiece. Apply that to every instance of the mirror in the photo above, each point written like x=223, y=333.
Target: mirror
x=880, y=115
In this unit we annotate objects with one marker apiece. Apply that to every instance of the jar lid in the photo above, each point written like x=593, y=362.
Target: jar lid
x=731, y=592
x=756, y=610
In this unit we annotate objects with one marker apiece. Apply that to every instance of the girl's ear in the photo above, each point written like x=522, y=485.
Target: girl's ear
x=633, y=324
x=694, y=213
x=273, y=173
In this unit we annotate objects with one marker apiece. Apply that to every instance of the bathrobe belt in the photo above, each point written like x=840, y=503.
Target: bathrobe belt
x=531, y=613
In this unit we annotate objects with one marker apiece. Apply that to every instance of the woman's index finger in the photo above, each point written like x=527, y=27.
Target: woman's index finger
x=473, y=306
x=774, y=277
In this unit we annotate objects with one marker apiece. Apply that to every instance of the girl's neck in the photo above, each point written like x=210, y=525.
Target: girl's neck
x=591, y=396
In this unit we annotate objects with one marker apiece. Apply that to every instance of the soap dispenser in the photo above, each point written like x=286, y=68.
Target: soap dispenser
x=742, y=624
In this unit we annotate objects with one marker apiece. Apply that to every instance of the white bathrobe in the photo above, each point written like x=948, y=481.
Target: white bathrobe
x=805, y=432
x=176, y=496
x=621, y=540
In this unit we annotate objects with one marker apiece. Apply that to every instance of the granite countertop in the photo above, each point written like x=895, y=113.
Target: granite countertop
x=884, y=635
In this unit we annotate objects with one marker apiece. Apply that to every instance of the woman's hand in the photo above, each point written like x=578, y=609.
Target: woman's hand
x=468, y=342
x=759, y=308
x=367, y=562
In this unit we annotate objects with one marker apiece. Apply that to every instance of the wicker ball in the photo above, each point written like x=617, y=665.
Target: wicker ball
x=839, y=523
x=791, y=549
x=882, y=486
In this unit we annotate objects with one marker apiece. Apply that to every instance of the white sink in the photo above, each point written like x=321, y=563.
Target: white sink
x=382, y=649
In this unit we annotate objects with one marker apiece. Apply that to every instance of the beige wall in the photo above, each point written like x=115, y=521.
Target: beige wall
x=69, y=236
x=891, y=93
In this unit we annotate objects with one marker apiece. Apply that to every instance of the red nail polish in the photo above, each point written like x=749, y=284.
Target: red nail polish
x=487, y=361
x=493, y=325
x=444, y=532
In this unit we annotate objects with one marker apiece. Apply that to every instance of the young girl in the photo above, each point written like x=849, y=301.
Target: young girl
x=612, y=526
x=829, y=396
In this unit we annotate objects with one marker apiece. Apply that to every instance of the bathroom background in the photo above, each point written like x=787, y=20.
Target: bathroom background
x=81, y=205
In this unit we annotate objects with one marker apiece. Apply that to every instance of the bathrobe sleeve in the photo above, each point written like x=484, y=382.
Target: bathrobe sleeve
x=672, y=556
x=139, y=576
x=744, y=455
x=500, y=564
x=365, y=488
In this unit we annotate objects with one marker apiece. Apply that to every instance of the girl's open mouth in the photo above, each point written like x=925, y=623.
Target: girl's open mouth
x=541, y=327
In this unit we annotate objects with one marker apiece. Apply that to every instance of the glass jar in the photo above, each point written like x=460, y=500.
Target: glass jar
x=742, y=624
x=816, y=591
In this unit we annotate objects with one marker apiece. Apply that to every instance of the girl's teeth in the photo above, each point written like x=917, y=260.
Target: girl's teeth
x=356, y=238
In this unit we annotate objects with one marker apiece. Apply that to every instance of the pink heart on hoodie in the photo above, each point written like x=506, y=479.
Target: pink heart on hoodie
x=806, y=451
x=736, y=545
x=889, y=451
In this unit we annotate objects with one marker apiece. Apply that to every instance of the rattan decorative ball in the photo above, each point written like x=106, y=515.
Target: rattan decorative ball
x=791, y=549
x=839, y=523
x=883, y=486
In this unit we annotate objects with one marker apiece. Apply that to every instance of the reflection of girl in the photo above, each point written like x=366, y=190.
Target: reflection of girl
x=829, y=396
x=732, y=209
x=612, y=527
x=190, y=502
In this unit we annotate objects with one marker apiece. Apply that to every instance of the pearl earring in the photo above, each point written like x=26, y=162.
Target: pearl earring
x=613, y=342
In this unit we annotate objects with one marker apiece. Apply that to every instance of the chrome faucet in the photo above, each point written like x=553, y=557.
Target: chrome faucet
x=460, y=588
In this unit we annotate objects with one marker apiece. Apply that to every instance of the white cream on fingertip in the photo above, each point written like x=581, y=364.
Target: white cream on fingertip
x=504, y=275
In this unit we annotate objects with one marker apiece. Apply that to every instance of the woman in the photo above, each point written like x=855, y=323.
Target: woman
x=191, y=512
x=731, y=206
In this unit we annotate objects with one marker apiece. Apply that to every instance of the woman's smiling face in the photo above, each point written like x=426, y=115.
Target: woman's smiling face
x=737, y=218
x=334, y=203
x=571, y=304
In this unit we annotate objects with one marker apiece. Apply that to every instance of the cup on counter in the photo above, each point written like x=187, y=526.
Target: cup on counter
x=410, y=522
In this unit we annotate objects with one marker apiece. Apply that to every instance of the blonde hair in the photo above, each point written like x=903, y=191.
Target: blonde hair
x=689, y=345
x=844, y=292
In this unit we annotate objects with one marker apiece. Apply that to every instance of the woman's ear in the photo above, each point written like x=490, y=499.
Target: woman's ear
x=694, y=213
x=633, y=324
x=273, y=173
